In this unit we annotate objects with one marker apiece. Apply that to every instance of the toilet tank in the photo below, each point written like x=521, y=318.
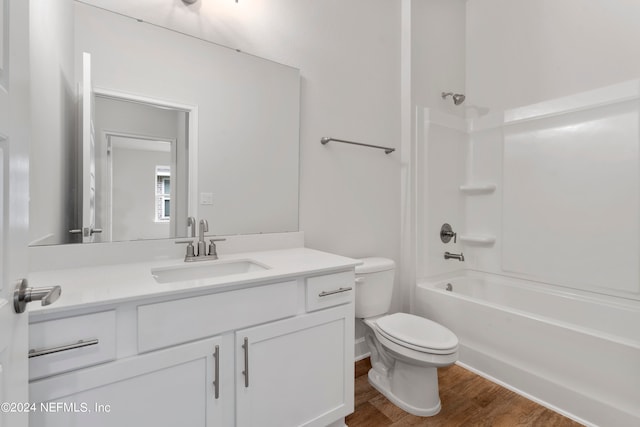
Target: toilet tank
x=374, y=287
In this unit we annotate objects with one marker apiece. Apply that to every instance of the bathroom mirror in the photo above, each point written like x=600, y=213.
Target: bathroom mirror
x=182, y=126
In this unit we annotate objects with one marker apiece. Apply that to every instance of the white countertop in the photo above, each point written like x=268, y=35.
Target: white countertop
x=109, y=284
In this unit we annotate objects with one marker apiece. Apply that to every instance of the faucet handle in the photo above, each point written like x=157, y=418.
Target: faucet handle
x=213, y=251
x=191, y=253
x=446, y=233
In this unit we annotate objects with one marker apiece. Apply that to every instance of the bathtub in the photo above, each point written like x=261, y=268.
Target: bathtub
x=577, y=354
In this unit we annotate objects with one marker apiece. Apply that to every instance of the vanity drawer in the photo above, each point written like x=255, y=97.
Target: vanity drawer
x=61, y=345
x=174, y=322
x=329, y=290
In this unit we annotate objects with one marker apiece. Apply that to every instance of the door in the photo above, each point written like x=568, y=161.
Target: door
x=88, y=154
x=306, y=360
x=14, y=205
x=139, y=168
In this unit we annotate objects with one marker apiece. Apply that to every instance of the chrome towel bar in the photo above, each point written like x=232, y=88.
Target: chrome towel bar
x=326, y=139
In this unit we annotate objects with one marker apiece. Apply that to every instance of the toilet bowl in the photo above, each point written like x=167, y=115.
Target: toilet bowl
x=406, y=350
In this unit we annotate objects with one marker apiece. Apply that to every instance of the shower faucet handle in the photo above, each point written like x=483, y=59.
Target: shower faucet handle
x=446, y=233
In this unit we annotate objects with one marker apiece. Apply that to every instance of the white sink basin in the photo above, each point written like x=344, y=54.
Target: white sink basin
x=205, y=269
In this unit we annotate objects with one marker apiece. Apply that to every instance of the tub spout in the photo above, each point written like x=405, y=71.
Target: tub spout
x=449, y=255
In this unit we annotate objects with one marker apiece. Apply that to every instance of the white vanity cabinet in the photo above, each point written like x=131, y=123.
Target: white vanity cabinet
x=294, y=372
x=269, y=354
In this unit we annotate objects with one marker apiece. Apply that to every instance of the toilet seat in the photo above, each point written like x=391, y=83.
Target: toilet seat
x=417, y=333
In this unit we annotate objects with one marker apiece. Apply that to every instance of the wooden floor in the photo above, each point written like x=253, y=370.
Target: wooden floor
x=467, y=400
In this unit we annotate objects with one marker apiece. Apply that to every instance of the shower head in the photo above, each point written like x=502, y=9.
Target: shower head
x=458, y=98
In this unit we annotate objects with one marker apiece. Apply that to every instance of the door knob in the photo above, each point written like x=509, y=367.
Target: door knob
x=23, y=294
x=86, y=231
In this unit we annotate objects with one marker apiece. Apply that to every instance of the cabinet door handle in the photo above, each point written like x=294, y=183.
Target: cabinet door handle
x=337, y=291
x=216, y=382
x=245, y=346
x=45, y=351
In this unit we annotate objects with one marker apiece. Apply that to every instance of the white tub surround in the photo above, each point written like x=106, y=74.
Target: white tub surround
x=271, y=347
x=533, y=193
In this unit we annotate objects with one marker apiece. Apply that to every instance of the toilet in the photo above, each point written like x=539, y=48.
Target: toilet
x=406, y=350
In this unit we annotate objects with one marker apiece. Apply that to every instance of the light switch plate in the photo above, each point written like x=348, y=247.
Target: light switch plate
x=206, y=198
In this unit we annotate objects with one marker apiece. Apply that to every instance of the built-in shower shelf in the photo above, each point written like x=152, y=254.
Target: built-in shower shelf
x=477, y=239
x=478, y=188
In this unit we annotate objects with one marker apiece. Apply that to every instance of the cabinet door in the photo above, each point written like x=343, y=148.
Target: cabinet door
x=297, y=371
x=173, y=387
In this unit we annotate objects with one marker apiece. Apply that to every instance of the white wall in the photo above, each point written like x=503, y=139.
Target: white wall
x=438, y=52
x=53, y=108
x=521, y=52
x=134, y=118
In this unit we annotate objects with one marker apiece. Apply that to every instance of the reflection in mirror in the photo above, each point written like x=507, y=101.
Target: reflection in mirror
x=242, y=114
x=142, y=168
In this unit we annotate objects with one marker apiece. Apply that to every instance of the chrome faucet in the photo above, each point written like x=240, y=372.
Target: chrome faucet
x=449, y=255
x=202, y=246
x=202, y=254
x=191, y=222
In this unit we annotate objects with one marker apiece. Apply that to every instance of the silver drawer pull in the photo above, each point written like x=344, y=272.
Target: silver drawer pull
x=245, y=346
x=216, y=382
x=337, y=291
x=45, y=351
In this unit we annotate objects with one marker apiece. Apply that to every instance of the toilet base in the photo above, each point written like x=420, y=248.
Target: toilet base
x=412, y=388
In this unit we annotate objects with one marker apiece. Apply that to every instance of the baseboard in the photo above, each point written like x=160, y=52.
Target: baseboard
x=360, y=349
x=339, y=423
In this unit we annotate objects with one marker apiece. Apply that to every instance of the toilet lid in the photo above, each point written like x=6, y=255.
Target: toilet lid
x=417, y=331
